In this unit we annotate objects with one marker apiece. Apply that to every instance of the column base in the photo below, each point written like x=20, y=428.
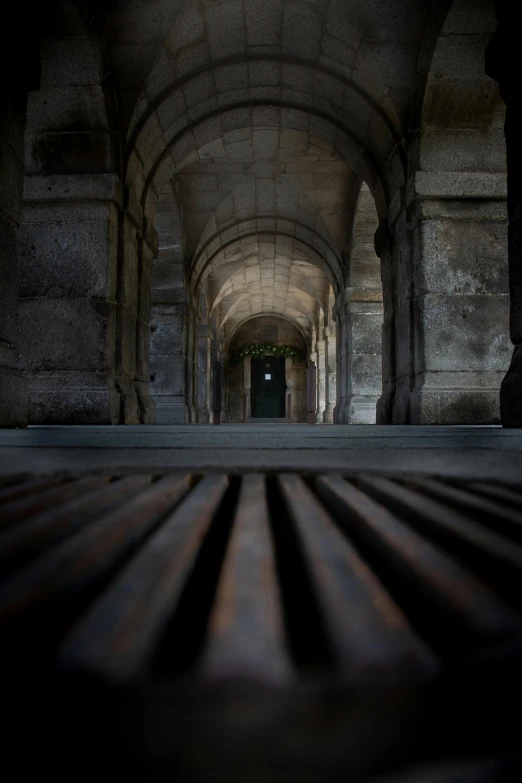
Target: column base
x=13, y=398
x=384, y=408
x=147, y=406
x=456, y=406
x=511, y=392
x=171, y=412
x=129, y=408
x=203, y=415
x=78, y=406
x=362, y=409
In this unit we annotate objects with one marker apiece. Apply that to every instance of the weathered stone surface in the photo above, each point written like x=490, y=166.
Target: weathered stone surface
x=66, y=334
x=13, y=392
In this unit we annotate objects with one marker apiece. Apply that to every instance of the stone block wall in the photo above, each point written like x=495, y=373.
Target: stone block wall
x=13, y=395
x=69, y=316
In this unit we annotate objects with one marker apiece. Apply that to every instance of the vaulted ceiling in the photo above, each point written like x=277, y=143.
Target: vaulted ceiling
x=259, y=123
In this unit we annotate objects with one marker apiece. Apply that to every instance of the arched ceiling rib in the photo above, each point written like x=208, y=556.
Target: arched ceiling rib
x=265, y=119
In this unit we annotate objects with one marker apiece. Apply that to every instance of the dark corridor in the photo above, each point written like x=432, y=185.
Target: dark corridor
x=268, y=387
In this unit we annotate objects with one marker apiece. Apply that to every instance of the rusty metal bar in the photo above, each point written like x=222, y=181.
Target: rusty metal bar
x=495, y=492
x=39, y=501
x=311, y=393
x=370, y=636
x=31, y=536
x=118, y=635
x=492, y=555
x=92, y=552
x=20, y=489
x=467, y=606
x=246, y=634
x=217, y=392
x=503, y=520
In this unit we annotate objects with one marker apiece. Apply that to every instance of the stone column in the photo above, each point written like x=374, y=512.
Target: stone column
x=191, y=319
x=129, y=333
x=168, y=342
x=341, y=407
x=364, y=325
x=320, y=348
x=80, y=361
x=148, y=251
x=331, y=374
x=13, y=393
x=289, y=384
x=247, y=382
x=460, y=296
x=503, y=64
x=204, y=373
x=385, y=403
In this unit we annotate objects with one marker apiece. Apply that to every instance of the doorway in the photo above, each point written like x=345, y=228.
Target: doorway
x=268, y=394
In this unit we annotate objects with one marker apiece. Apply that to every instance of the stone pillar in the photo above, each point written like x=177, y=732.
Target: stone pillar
x=13, y=393
x=289, y=384
x=331, y=374
x=148, y=251
x=360, y=316
x=341, y=407
x=80, y=360
x=320, y=348
x=364, y=325
x=191, y=361
x=503, y=64
x=127, y=297
x=204, y=374
x=168, y=342
x=247, y=386
x=460, y=296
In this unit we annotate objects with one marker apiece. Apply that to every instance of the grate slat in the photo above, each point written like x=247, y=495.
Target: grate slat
x=31, y=536
x=85, y=558
x=494, y=557
x=246, y=632
x=501, y=519
x=467, y=613
x=370, y=636
x=118, y=635
x=500, y=494
x=50, y=497
x=15, y=490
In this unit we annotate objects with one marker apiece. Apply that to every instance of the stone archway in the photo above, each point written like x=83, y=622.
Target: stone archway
x=241, y=392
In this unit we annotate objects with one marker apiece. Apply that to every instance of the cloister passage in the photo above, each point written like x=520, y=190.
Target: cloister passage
x=302, y=218
x=188, y=182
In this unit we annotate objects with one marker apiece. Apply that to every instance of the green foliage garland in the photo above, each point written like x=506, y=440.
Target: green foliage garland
x=258, y=351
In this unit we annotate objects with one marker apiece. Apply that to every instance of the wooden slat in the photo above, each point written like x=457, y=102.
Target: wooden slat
x=19, y=489
x=31, y=536
x=92, y=552
x=117, y=636
x=370, y=636
x=502, y=519
x=51, y=497
x=496, y=557
x=449, y=591
x=246, y=633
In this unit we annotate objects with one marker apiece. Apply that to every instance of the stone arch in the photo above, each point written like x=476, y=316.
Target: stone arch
x=239, y=390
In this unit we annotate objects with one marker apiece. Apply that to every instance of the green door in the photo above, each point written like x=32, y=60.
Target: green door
x=268, y=388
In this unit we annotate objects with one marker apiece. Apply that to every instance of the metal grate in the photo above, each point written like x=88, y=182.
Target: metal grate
x=357, y=604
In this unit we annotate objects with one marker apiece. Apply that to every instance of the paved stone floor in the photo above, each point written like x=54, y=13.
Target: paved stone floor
x=467, y=452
